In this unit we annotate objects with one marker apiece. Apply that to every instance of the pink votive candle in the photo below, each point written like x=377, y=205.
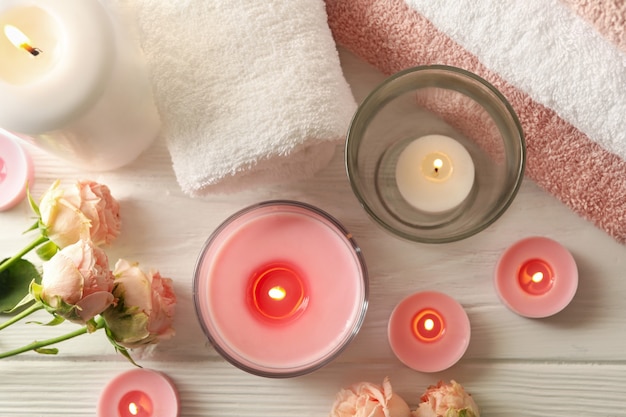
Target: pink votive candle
x=16, y=171
x=536, y=277
x=429, y=331
x=139, y=393
x=280, y=289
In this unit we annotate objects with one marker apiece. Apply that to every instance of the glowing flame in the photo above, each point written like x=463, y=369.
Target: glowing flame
x=437, y=165
x=537, y=277
x=133, y=409
x=19, y=39
x=429, y=324
x=16, y=36
x=277, y=293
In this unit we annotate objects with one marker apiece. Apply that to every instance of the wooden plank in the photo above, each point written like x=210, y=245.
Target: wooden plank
x=503, y=389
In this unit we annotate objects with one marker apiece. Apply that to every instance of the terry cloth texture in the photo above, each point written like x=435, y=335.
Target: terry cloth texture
x=250, y=93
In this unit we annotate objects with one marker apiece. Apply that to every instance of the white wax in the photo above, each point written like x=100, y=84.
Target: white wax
x=435, y=173
x=85, y=96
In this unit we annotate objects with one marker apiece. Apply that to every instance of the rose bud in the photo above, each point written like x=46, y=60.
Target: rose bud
x=449, y=400
x=77, y=282
x=84, y=211
x=369, y=400
x=145, y=305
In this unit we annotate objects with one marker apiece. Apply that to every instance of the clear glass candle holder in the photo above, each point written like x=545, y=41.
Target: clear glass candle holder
x=435, y=154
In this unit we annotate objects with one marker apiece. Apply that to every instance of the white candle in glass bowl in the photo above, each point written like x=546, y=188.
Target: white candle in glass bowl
x=73, y=83
x=435, y=173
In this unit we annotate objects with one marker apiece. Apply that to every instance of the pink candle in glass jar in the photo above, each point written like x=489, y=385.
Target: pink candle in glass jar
x=280, y=289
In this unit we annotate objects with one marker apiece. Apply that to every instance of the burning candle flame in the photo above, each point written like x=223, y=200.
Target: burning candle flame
x=537, y=277
x=134, y=410
x=437, y=164
x=429, y=324
x=277, y=293
x=19, y=39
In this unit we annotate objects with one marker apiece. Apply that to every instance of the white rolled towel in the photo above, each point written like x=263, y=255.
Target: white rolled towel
x=249, y=92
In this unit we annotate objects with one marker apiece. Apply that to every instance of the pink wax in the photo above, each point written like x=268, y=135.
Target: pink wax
x=536, y=277
x=428, y=325
x=139, y=393
x=280, y=289
x=16, y=171
x=277, y=292
x=429, y=331
x=135, y=404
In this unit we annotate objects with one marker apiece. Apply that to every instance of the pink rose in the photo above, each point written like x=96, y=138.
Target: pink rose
x=369, y=400
x=446, y=400
x=144, y=311
x=84, y=211
x=77, y=282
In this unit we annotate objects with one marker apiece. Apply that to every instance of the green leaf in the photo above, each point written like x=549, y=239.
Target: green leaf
x=119, y=348
x=47, y=250
x=15, y=282
x=54, y=322
x=32, y=203
x=35, y=226
x=28, y=299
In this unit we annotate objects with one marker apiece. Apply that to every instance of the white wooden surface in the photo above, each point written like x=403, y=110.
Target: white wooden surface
x=572, y=364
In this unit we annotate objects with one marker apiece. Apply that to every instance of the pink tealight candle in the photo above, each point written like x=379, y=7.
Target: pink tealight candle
x=280, y=289
x=536, y=277
x=429, y=331
x=139, y=393
x=16, y=170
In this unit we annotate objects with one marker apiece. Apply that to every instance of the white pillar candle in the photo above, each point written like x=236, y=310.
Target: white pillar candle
x=435, y=173
x=72, y=82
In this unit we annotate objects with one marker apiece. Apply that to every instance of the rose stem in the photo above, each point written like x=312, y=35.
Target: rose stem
x=39, y=344
x=41, y=239
x=30, y=310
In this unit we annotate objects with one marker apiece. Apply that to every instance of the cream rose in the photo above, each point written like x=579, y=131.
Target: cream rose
x=145, y=306
x=87, y=210
x=369, y=400
x=446, y=400
x=77, y=282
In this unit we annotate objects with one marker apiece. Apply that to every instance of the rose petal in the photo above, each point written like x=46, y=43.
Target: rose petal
x=94, y=304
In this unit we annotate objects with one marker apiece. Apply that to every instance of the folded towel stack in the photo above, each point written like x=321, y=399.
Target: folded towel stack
x=564, y=79
x=250, y=93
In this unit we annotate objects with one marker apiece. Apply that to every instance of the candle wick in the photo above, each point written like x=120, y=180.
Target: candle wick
x=33, y=51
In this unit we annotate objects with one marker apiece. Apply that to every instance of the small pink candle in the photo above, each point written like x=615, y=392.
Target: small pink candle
x=280, y=289
x=536, y=277
x=139, y=393
x=429, y=331
x=16, y=170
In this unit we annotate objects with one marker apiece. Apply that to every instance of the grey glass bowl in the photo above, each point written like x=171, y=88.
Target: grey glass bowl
x=435, y=100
